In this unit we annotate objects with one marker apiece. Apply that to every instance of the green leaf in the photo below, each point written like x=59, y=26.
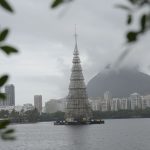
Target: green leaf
x=9, y=131
x=8, y=49
x=3, y=80
x=123, y=7
x=56, y=3
x=143, y=23
x=6, y=5
x=132, y=36
x=4, y=137
x=129, y=20
x=133, y=1
x=4, y=124
x=2, y=96
x=3, y=34
x=7, y=135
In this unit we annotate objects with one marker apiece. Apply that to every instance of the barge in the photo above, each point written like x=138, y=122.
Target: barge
x=63, y=122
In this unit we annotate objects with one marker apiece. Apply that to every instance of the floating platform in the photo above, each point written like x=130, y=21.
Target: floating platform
x=59, y=122
x=97, y=121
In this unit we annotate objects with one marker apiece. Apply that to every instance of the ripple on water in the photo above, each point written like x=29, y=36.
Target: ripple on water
x=123, y=134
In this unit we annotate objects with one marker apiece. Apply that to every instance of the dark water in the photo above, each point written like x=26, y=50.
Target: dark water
x=123, y=134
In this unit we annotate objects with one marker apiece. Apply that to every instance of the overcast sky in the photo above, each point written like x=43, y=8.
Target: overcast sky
x=45, y=41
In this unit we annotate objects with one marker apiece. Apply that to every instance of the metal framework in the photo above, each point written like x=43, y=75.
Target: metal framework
x=78, y=108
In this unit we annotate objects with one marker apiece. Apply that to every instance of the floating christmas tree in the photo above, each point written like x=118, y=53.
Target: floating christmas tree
x=78, y=108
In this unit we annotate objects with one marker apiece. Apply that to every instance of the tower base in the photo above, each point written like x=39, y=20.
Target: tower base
x=58, y=122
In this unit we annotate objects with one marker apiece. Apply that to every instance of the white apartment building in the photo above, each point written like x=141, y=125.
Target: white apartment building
x=9, y=108
x=108, y=99
x=55, y=105
x=103, y=105
x=136, y=101
x=115, y=106
x=27, y=107
x=146, y=101
x=123, y=104
x=95, y=103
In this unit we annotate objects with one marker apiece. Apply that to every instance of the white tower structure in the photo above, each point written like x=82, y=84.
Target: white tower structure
x=78, y=107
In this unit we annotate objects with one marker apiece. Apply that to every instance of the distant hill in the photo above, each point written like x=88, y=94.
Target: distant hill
x=120, y=83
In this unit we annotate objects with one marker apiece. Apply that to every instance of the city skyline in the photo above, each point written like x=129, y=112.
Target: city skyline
x=134, y=102
x=105, y=100
x=46, y=43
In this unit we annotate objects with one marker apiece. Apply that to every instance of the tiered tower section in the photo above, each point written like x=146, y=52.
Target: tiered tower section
x=78, y=108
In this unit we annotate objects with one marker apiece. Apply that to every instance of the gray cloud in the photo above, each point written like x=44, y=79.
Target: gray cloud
x=46, y=44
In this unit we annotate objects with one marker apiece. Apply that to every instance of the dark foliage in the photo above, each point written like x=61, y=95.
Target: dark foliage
x=122, y=114
x=5, y=5
x=144, y=19
x=31, y=116
x=133, y=7
x=52, y=117
x=57, y=3
x=5, y=132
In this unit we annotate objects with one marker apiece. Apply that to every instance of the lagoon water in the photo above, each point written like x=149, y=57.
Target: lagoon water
x=116, y=134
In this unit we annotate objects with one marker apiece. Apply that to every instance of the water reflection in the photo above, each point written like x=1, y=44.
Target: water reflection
x=78, y=136
x=123, y=134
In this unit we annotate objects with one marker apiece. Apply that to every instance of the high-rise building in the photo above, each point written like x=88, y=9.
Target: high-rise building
x=38, y=102
x=1, y=102
x=10, y=95
x=115, y=104
x=108, y=99
x=51, y=106
x=136, y=101
x=107, y=95
x=147, y=99
x=144, y=102
x=78, y=107
x=103, y=105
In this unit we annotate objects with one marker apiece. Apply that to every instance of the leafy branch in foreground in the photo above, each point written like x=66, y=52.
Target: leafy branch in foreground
x=144, y=19
x=133, y=7
x=3, y=80
x=5, y=5
x=5, y=132
x=7, y=49
x=57, y=3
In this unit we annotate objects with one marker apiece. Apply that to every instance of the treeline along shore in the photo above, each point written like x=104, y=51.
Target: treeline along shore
x=33, y=116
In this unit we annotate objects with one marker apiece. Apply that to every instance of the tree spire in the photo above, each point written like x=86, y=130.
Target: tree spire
x=75, y=35
x=76, y=52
